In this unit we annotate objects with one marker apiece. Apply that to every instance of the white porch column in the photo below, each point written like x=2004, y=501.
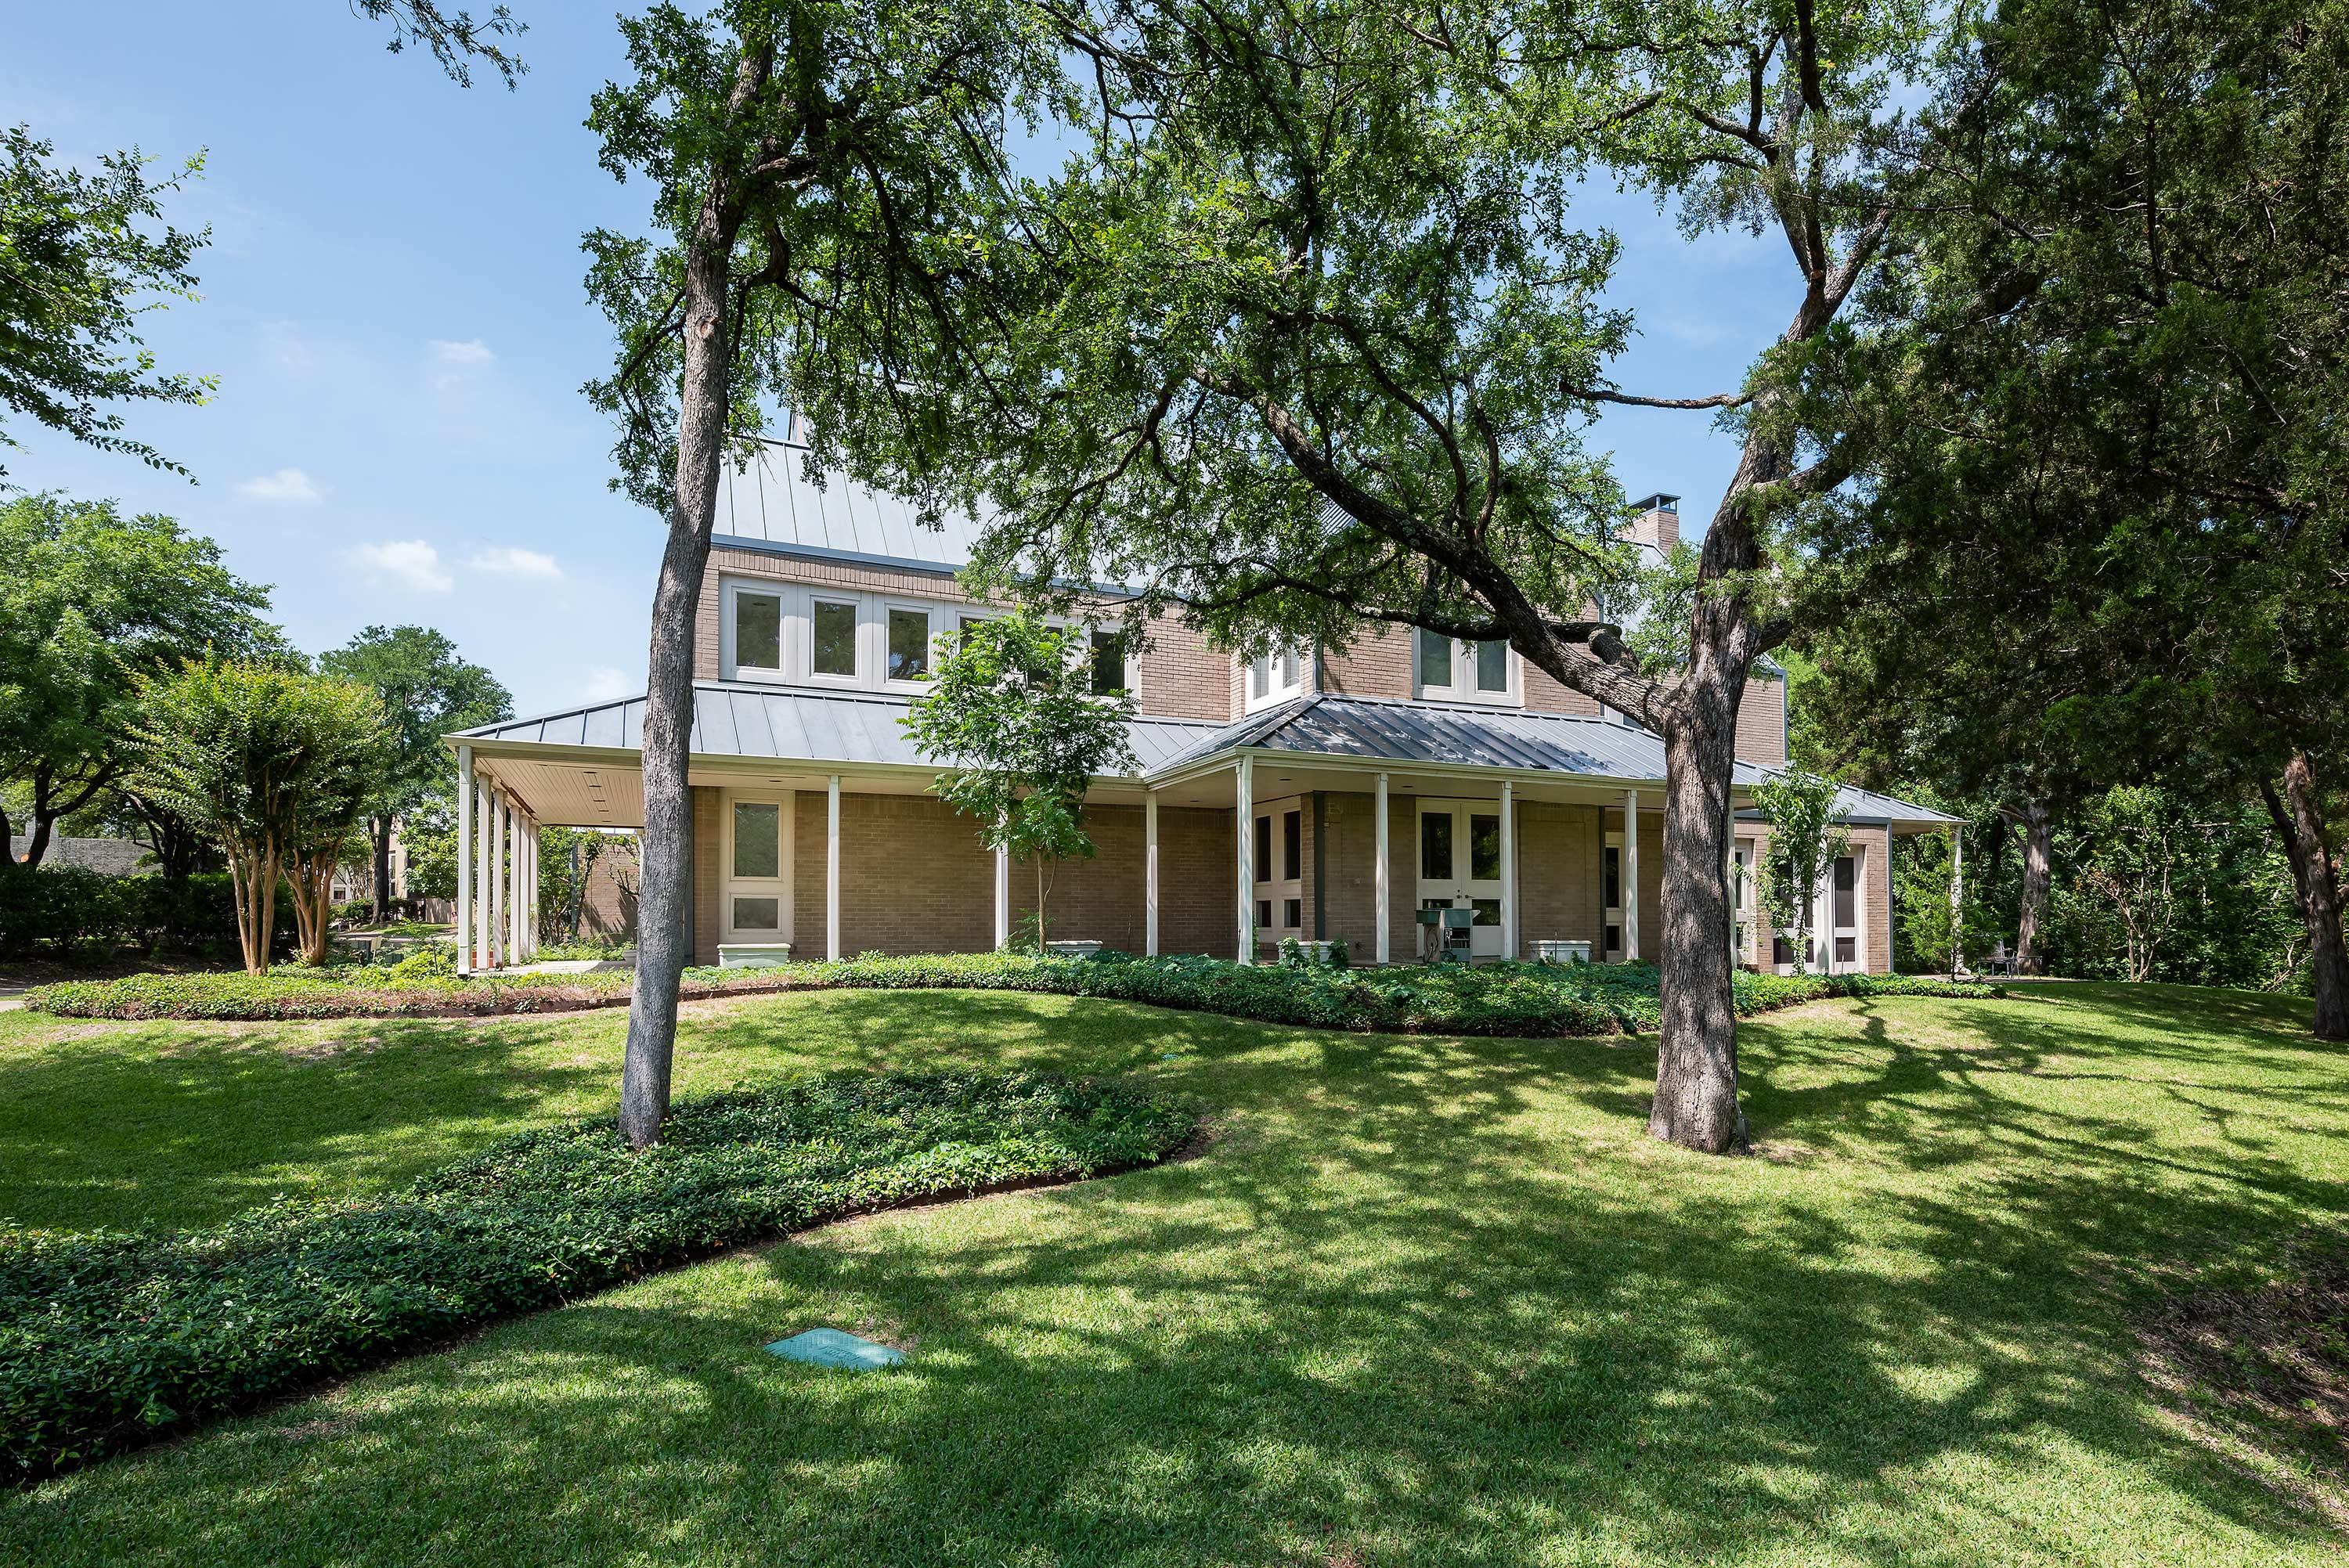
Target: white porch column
x=464, y=930
x=1002, y=900
x=1631, y=876
x=1150, y=873
x=530, y=896
x=478, y=934
x=1508, y=869
x=501, y=818
x=1382, y=892
x=517, y=887
x=1957, y=899
x=832, y=870
x=1244, y=795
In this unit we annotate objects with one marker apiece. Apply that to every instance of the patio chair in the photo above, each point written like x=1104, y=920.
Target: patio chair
x=1457, y=937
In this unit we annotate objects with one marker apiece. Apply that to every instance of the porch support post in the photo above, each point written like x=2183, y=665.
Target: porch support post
x=832, y=869
x=464, y=930
x=1002, y=899
x=1508, y=869
x=1381, y=880
x=1957, y=899
x=1631, y=876
x=530, y=896
x=478, y=932
x=501, y=818
x=515, y=885
x=1244, y=796
x=1150, y=873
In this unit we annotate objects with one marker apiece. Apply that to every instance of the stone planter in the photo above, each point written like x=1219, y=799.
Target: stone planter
x=1071, y=949
x=753, y=955
x=1559, y=952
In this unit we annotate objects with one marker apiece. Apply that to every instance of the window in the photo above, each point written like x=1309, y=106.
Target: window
x=1613, y=877
x=1846, y=896
x=1292, y=913
x=1493, y=667
x=1483, y=848
x=1847, y=949
x=835, y=639
x=1434, y=659
x=1293, y=846
x=1781, y=950
x=1109, y=663
x=1264, y=848
x=758, y=631
x=909, y=644
x=1488, y=911
x=758, y=915
x=964, y=627
x=1275, y=677
x=1264, y=913
x=1435, y=845
x=758, y=838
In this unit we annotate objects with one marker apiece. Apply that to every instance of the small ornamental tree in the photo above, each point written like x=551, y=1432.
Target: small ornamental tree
x=274, y=763
x=1805, y=841
x=1013, y=714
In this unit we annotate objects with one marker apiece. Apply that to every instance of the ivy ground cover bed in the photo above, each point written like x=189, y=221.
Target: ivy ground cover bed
x=109, y=1339
x=1523, y=1000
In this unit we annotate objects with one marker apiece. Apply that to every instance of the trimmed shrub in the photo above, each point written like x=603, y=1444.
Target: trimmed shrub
x=108, y=1340
x=62, y=910
x=1516, y=999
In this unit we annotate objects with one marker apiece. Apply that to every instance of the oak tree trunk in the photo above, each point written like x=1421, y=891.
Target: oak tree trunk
x=2038, y=865
x=669, y=683
x=2300, y=823
x=1696, y=1063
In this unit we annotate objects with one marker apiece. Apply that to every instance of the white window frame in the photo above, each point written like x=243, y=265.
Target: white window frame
x=780, y=885
x=1464, y=689
x=862, y=659
x=1132, y=675
x=732, y=590
x=929, y=609
x=1276, y=691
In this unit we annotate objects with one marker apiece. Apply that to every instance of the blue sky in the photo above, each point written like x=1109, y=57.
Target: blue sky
x=392, y=302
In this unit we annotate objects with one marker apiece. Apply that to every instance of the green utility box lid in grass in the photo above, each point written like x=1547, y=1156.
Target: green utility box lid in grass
x=831, y=1347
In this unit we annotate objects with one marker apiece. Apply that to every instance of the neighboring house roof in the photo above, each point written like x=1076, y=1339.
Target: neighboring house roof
x=862, y=729
x=773, y=505
x=110, y=857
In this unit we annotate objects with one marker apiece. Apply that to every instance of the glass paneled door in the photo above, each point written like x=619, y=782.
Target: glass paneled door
x=1460, y=866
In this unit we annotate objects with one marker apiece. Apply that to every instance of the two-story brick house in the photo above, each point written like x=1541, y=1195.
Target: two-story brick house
x=1320, y=798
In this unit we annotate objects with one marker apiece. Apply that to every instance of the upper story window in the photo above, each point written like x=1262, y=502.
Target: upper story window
x=1111, y=675
x=1448, y=671
x=1275, y=677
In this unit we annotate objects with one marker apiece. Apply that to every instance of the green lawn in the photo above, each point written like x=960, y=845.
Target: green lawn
x=1425, y=1300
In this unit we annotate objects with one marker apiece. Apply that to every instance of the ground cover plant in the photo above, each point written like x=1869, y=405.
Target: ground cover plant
x=111, y=1338
x=1522, y=999
x=1422, y=1300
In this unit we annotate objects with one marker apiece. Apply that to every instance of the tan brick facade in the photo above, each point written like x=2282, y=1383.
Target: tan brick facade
x=1761, y=721
x=1874, y=845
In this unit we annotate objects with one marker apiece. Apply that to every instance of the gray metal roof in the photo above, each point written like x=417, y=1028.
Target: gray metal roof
x=773, y=502
x=862, y=728
x=789, y=723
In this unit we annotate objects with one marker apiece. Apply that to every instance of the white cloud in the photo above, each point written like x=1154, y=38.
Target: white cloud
x=515, y=562
x=286, y=484
x=409, y=561
x=473, y=351
x=606, y=683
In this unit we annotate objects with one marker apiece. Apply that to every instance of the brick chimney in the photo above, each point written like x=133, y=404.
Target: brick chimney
x=1657, y=524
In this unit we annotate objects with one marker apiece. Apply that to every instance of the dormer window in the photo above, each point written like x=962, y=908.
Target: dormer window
x=1275, y=677
x=1448, y=671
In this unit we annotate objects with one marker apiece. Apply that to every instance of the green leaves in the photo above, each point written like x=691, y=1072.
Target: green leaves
x=1805, y=839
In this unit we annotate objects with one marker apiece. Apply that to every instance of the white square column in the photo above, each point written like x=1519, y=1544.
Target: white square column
x=832, y=870
x=1002, y=900
x=464, y=930
x=1508, y=871
x=1631, y=876
x=1382, y=894
x=1244, y=793
x=1957, y=899
x=478, y=932
x=1150, y=873
x=501, y=819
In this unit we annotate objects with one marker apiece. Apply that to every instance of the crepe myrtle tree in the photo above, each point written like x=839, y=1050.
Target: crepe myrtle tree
x=1805, y=842
x=1306, y=342
x=1011, y=714
x=814, y=165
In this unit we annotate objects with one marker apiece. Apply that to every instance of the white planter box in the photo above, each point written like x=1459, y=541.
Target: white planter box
x=1555, y=952
x=1071, y=949
x=753, y=955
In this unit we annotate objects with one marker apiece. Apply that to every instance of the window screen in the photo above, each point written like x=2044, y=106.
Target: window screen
x=1434, y=658
x=835, y=639
x=758, y=631
x=1846, y=891
x=1292, y=845
x=758, y=841
x=1492, y=666
x=1435, y=844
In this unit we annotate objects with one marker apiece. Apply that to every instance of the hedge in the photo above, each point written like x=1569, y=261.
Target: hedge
x=1512, y=999
x=111, y=1339
x=58, y=909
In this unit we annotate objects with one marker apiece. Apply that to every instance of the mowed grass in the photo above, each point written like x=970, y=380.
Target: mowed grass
x=1423, y=1301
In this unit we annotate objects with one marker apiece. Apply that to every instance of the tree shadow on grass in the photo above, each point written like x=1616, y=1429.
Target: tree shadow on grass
x=1439, y=1305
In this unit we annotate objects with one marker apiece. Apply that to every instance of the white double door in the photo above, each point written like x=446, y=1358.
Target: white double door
x=1460, y=866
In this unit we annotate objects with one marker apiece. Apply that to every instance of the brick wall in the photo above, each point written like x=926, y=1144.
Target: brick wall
x=1875, y=895
x=1761, y=721
x=1560, y=892
x=1544, y=693
x=914, y=877
x=1181, y=676
x=1377, y=665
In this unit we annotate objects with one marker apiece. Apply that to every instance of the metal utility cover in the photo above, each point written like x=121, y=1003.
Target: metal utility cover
x=834, y=1347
